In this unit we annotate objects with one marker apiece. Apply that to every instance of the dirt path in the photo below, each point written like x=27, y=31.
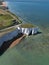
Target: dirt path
x=2, y=11
x=16, y=41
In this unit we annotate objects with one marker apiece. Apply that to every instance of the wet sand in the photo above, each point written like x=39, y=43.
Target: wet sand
x=11, y=43
x=16, y=41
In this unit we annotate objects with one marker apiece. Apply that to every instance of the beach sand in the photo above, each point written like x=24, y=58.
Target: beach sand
x=16, y=41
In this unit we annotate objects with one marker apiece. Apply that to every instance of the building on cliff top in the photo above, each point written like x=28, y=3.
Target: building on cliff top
x=3, y=5
x=0, y=2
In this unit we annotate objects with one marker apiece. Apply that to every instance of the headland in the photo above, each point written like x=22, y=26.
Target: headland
x=10, y=22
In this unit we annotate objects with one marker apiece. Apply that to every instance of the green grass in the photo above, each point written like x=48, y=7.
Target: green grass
x=20, y=21
x=5, y=21
x=27, y=25
x=5, y=17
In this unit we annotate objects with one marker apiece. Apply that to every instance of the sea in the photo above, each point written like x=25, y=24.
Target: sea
x=32, y=12
x=34, y=49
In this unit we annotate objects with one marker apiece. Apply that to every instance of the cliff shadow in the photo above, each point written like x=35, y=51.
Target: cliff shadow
x=35, y=33
x=6, y=44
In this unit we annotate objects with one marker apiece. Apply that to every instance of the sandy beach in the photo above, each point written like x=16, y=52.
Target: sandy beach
x=16, y=41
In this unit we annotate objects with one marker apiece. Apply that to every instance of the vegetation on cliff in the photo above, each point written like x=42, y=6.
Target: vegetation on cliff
x=27, y=25
x=8, y=19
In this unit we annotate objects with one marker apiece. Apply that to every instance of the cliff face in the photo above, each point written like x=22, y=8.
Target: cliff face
x=27, y=31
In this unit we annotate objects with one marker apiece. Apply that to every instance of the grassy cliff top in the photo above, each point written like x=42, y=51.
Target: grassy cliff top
x=7, y=19
x=27, y=25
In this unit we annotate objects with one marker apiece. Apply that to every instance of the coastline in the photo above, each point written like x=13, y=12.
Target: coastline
x=11, y=43
x=35, y=48
x=14, y=18
x=10, y=28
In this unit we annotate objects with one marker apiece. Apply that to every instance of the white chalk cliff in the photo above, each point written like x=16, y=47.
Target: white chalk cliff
x=28, y=30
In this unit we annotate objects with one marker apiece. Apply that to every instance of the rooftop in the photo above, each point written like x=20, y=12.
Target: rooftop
x=3, y=4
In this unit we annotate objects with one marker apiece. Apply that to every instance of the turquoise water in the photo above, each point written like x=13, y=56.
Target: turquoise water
x=32, y=12
x=32, y=50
